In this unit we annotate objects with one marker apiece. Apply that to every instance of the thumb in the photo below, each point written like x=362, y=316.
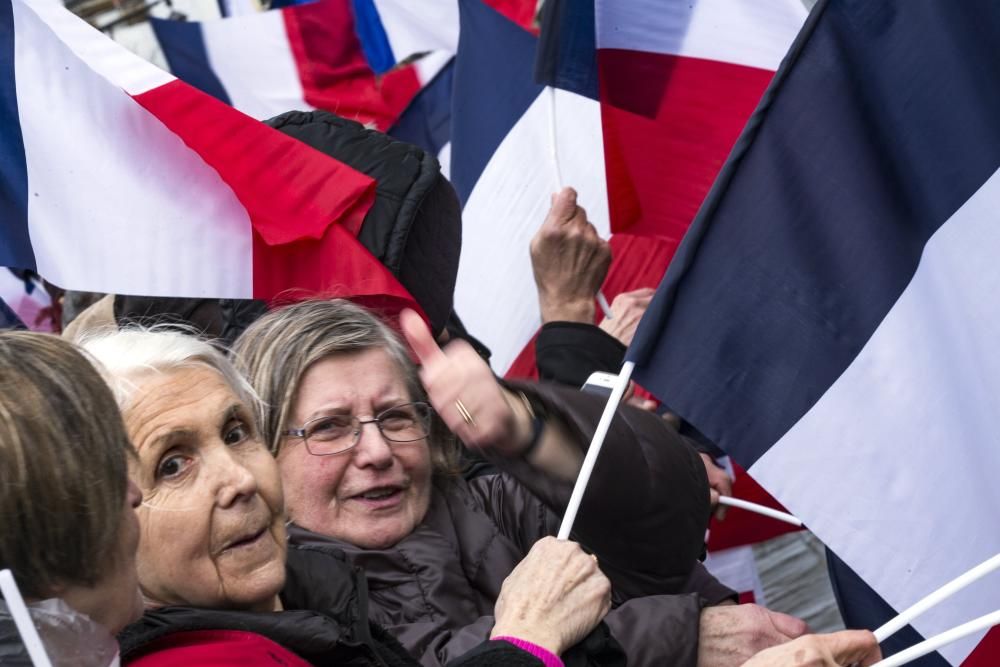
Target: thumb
x=787, y=625
x=563, y=206
x=419, y=337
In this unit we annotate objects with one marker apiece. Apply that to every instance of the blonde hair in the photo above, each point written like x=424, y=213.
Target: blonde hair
x=63, y=465
x=275, y=352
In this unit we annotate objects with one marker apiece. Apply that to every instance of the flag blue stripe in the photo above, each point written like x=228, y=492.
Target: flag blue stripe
x=879, y=125
x=567, y=47
x=15, y=244
x=184, y=47
x=494, y=86
x=427, y=119
x=371, y=34
x=862, y=607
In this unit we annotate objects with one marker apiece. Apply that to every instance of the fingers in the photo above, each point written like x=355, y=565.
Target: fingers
x=419, y=336
x=564, y=206
x=853, y=646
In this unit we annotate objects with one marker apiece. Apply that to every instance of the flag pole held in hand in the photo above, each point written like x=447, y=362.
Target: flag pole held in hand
x=943, y=639
x=566, y=527
x=938, y=596
x=760, y=509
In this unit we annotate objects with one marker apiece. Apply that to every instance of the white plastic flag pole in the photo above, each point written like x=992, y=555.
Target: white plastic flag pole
x=602, y=301
x=22, y=619
x=566, y=527
x=941, y=594
x=943, y=639
x=760, y=509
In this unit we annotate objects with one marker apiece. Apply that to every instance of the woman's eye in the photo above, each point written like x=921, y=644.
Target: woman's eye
x=172, y=466
x=237, y=434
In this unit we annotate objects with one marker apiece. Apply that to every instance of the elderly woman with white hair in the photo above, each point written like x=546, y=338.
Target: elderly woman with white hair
x=365, y=443
x=213, y=565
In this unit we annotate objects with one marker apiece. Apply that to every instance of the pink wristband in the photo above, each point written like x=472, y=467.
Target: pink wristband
x=548, y=658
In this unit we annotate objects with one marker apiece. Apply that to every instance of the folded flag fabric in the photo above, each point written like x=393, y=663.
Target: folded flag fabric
x=677, y=81
x=117, y=177
x=301, y=57
x=829, y=320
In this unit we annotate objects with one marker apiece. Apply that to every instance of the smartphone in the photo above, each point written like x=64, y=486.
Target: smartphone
x=600, y=383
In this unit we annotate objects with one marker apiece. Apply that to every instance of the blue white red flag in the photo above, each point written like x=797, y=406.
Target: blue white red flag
x=677, y=81
x=503, y=169
x=300, y=57
x=830, y=318
x=117, y=177
x=393, y=30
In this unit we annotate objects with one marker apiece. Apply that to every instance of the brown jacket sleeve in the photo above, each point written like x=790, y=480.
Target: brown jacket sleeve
x=647, y=506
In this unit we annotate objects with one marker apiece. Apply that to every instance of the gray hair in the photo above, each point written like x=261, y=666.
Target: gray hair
x=127, y=356
x=63, y=465
x=275, y=352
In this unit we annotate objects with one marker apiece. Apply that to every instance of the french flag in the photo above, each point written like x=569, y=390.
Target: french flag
x=117, y=177
x=301, y=57
x=677, y=81
x=393, y=30
x=830, y=319
x=509, y=151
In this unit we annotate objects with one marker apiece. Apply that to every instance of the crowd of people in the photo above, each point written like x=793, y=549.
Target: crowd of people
x=198, y=481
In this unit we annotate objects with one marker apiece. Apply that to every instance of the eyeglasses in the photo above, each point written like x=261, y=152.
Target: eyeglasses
x=338, y=433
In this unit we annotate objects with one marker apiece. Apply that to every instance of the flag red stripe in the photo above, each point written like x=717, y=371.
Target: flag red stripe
x=333, y=70
x=336, y=265
x=987, y=653
x=291, y=191
x=669, y=124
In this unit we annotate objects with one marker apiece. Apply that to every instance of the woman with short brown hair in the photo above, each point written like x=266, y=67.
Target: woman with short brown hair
x=66, y=504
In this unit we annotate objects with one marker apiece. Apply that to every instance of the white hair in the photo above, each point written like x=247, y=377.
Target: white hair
x=126, y=356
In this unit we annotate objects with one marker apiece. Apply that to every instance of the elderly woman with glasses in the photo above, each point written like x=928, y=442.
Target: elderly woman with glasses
x=370, y=470
x=219, y=581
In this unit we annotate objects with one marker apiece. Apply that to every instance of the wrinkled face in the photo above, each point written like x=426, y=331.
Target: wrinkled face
x=212, y=524
x=375, y=494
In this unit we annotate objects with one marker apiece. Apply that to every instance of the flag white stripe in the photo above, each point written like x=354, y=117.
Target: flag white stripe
x=508, y=205
x=415, y=27
x=253, y=59
x=756, y=33
x=900, y=482
x=98, y=223
x=119, y=66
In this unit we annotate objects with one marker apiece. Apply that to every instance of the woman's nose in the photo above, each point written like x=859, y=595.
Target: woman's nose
x=234, y=480
x=372, y=448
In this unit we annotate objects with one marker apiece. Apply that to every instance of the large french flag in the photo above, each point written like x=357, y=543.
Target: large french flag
x=677, y=81
x=117, y=177
x=300, y=57
x=830, y=320
x=504, y=131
